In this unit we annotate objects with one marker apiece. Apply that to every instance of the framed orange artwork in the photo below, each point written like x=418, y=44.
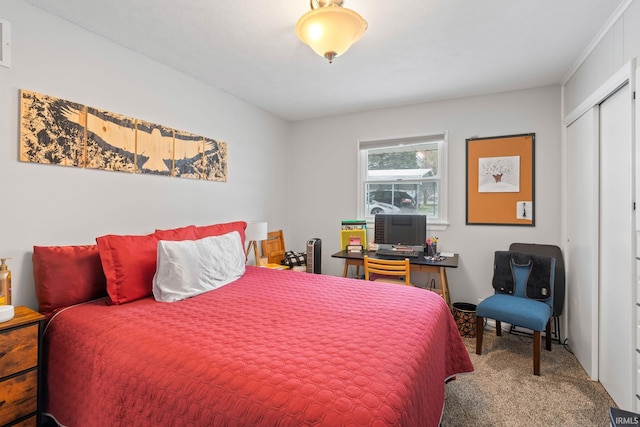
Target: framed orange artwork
x=501, y=180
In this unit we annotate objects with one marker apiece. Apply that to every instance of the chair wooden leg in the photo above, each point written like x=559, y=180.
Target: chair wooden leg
x=498, y=328
x=479, y=329
x=536, y=352
x=548, y=332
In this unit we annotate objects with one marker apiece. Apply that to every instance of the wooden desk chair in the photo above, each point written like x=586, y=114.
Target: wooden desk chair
x=392, y=271
x=273, y=247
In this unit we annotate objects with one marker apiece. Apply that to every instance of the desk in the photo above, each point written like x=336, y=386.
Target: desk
x=417, y=264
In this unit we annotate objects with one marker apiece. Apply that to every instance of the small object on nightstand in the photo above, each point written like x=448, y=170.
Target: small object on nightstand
x=5, y=283
x=6, y=313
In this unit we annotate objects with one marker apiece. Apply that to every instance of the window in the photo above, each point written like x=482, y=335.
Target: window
x=404, y=176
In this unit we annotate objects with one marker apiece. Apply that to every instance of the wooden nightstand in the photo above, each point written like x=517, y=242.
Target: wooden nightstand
x=19, y=368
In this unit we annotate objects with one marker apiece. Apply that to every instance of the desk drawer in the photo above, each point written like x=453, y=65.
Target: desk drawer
x=18, y=350
x=18, y=396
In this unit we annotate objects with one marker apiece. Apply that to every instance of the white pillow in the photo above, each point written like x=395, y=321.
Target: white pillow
x=190, y=267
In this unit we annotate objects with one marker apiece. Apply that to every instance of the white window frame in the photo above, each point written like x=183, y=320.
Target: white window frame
x=439, y=224
x=5, y=43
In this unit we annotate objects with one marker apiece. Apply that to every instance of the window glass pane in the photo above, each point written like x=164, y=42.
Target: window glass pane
x=419, y=198
x=392, y=198
x=403, y=162
x=403, y=176
x=429, y=193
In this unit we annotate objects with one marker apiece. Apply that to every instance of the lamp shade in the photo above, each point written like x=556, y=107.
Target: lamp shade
x=256, y=231
x=330, y=31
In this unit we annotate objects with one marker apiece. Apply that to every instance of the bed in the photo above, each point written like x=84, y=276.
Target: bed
x=269, y=348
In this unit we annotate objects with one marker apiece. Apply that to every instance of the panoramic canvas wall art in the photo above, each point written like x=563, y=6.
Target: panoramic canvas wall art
x=60, y=132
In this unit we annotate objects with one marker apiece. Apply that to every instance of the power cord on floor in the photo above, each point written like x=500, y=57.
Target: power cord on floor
x=566, y=346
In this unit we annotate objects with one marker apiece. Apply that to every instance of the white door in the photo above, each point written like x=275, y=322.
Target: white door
x=615, y=355
x=582, y=239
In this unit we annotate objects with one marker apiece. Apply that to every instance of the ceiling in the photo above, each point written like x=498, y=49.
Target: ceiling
x=413, y=51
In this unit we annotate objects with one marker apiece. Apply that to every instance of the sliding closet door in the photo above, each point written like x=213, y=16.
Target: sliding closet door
x=582, y=239
x=616, y=248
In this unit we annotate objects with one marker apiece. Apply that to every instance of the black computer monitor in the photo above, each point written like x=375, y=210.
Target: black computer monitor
x=402, y=230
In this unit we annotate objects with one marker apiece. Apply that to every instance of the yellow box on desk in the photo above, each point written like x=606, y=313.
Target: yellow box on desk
x=347, y=235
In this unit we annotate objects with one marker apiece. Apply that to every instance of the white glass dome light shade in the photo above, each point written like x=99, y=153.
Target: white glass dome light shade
x=330, y=31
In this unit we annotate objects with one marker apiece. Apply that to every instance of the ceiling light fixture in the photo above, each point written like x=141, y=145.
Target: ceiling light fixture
x=330, y=29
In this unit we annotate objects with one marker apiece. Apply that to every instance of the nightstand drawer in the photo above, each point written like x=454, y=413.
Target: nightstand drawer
x=18, y=350
x=29, y=422
x=18, y=396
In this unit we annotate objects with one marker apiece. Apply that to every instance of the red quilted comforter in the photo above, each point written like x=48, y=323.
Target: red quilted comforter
x=273, y=348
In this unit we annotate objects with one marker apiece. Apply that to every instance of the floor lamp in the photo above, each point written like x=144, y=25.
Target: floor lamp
x=255, y=232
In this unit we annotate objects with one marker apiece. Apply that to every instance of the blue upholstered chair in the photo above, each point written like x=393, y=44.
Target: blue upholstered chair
x=558, y=280
x=523, y=285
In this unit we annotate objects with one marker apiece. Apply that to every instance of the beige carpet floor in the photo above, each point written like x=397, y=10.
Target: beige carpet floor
x=504, y=392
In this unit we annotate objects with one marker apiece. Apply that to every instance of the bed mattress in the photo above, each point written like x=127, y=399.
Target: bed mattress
x=272, y=348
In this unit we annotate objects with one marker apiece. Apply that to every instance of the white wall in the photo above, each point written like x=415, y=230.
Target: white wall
x=616, y=47
x=300, y=177
x=54, y=205
x=323, y=162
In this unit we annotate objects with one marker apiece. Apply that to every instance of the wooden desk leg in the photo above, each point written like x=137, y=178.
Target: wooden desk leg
x=445, y=286
x=348, y=262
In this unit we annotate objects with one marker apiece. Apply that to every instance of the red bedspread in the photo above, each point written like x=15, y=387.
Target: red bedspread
x=273, y=348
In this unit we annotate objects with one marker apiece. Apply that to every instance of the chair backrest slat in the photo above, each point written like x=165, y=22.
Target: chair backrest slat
x=397, y=268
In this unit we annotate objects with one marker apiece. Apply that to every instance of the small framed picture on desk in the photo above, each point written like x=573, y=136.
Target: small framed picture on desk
x=354, y=248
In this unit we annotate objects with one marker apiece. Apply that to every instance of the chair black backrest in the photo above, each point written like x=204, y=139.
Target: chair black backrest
x=559, y=283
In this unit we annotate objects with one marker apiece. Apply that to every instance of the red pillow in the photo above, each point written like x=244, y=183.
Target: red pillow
x=129, y=263
x=220, y=229
x=67, y=275
x=183, y=233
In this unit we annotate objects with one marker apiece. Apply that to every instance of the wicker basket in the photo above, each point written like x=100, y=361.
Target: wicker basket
x=464, y=314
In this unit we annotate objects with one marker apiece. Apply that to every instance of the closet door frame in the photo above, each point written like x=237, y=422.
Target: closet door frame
x=617, y=247
x=590, y=363
x=581, y=244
